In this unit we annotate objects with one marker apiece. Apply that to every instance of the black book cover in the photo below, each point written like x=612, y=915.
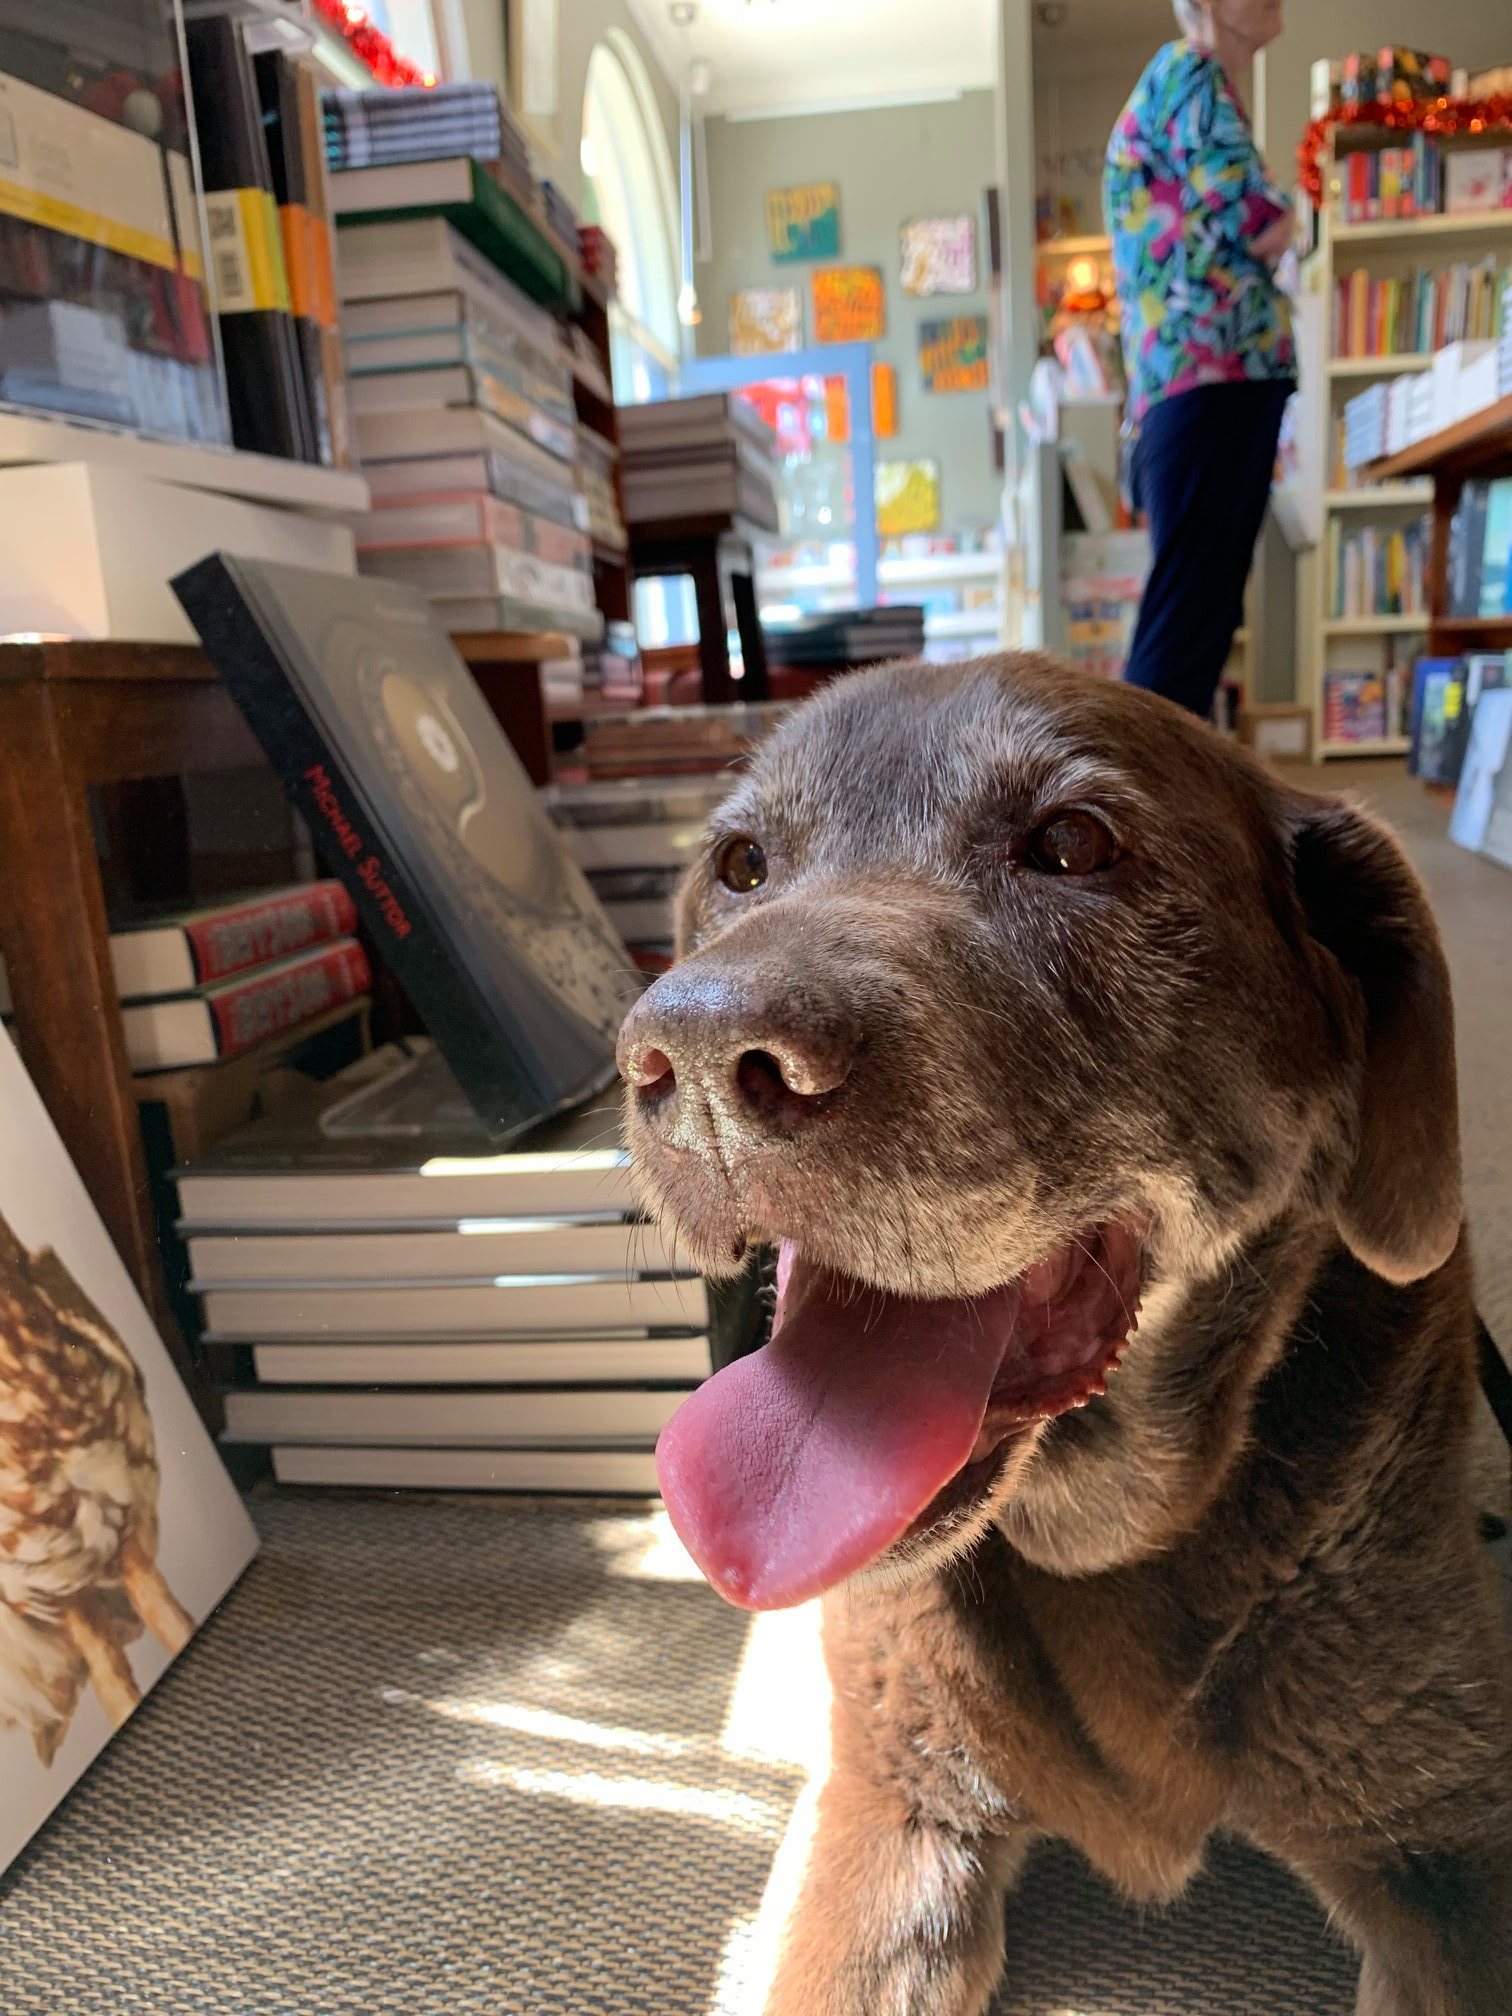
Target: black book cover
x=269, y=413
x=420, y=806
x=278, y=95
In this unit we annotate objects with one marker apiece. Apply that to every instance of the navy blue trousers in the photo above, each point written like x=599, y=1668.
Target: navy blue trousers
x=1201, y=474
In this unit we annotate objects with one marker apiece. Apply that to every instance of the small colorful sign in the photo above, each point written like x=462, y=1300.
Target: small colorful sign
x=908, y=498
x=765, y=321
x=850, y=304
x=939, y=256
x=803, y=222
x=884, y=405
x=953, y=354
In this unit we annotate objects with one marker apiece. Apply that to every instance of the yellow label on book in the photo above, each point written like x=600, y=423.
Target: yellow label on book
x=246, y=252
x=66, y=169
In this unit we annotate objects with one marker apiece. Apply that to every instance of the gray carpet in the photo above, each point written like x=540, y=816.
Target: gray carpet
x=467, y=1759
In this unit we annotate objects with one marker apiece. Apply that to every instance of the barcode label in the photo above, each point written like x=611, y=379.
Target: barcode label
x=247, y=260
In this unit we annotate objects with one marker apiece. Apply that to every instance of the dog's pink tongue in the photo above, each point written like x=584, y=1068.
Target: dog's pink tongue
x=792, y=1468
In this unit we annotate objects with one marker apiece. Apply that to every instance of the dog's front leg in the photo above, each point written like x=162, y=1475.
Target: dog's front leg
x=897, y=1917
x=1435, y=1933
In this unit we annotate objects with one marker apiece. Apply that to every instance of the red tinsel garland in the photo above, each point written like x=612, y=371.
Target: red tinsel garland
x=370, y=45
x=1439, y=116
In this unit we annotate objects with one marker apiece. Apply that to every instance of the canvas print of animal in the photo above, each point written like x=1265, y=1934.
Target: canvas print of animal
x=119, y=1529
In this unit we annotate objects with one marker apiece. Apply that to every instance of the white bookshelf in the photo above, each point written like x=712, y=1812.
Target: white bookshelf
x=1414, y=232
x=1387, y=249
x=231, y=472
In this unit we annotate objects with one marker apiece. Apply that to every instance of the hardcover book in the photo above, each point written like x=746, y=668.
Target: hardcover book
x=122, y=1531
x=422, y=809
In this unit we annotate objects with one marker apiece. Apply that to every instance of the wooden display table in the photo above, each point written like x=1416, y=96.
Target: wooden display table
x=719, y=553
x=1478, y=446
x=74, y=717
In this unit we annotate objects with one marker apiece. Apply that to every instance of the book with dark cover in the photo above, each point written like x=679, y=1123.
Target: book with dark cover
x=264, y=382
x=277, y=80
x=419, y=805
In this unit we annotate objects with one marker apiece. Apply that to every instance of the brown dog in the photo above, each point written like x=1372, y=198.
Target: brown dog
x=1011, y=1001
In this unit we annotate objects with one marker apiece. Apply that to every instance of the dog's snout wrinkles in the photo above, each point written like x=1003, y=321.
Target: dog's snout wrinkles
x=756, y=1055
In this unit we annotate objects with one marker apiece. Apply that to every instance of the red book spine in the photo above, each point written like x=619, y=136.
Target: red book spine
x=275, y=928
x=271, y=1003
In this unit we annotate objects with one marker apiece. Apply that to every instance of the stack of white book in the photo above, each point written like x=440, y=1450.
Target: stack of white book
x=391, y=1304
x=466, y=424
x=712, y=454
x=634, y=837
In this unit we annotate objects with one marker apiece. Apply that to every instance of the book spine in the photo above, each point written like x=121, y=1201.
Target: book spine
x=232, y=941
x=271, y=1003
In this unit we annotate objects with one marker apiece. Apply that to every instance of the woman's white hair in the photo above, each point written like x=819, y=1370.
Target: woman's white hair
x=1190, y=16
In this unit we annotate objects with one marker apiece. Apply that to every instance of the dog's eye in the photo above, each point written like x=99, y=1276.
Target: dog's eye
x=741, y=864
x=1072, y=843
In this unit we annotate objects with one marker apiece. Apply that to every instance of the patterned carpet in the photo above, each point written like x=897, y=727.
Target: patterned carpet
x=496, y=1759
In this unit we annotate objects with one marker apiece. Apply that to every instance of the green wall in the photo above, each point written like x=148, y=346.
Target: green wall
x=891, y=164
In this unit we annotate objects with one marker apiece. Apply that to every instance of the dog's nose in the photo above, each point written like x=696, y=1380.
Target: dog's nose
x=762, y=1059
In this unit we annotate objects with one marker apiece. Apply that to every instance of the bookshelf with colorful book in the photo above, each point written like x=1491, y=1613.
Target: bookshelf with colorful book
x=1410, y=259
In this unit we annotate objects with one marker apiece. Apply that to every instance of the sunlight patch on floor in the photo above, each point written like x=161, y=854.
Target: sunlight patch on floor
x=736, y=1810
x=520, y=1720
x=644, y=1549
x=780, y=1705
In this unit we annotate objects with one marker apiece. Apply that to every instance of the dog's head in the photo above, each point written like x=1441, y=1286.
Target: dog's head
x=1006, y=997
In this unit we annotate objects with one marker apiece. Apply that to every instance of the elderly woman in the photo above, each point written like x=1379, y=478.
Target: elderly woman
x=1197, y=227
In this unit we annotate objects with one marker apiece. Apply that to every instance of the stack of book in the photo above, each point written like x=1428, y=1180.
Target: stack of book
x=1504, y=347
x=389, y=1302
x=600, y=260
x=711, y=455
x=204, y=985
x=634, y=838
x=596, y=458
x=1416, y=313
x=467, y=428
x=676, y=741
x=840, y=639
x=381, y=127
x=266, y=211
x=561, y=218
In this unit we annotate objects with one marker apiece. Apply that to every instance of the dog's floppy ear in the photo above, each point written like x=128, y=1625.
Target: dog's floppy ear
x=1400, y=1207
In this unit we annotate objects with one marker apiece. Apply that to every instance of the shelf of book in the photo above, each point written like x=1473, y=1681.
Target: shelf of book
x=1482, y=440
x=1374, y=745
x=1398, y=253
x=1376, y=626
x=1379, y=497
x=1384, y=365
x=1413, y=230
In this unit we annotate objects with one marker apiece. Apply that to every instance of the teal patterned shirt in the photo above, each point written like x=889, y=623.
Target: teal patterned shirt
x=1184, y=190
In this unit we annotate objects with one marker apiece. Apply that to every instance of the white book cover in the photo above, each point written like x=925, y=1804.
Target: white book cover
x=502, y=1308
x=522, y=1361
x=474, y=1248
x=589, y=1417
x=119, y=1529
x=583, y=1472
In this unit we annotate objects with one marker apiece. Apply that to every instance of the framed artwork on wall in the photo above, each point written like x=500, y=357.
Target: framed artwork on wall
x=803, y=222
x=939, y=256
x=908, y=498
x=953, y=354
x=850, y=304
x=765, y=319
